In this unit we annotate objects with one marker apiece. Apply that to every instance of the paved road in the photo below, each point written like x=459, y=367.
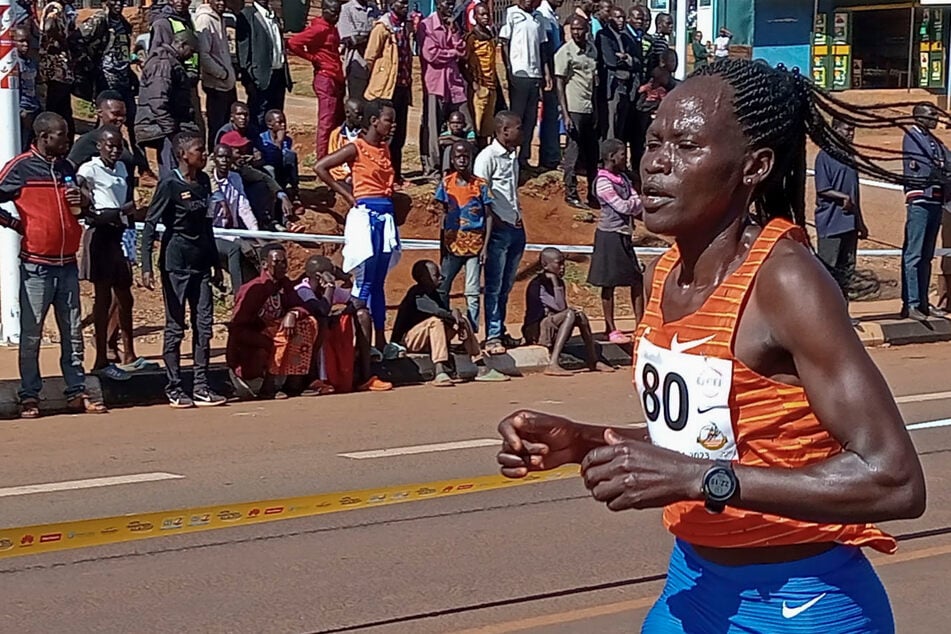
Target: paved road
x=538, y=558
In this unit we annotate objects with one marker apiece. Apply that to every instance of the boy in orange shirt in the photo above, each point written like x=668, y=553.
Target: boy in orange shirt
x=467, y=223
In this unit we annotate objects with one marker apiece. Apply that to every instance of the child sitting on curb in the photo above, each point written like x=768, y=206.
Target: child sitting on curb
x=425, y=324
x=548, y=319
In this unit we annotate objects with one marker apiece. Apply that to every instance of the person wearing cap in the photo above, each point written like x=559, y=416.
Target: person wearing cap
x=270, y=203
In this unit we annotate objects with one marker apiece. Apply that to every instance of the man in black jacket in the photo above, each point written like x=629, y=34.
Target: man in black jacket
x=189, y=265
x=165, y=106
x=167, y=20
x=618, y=59
x=262, y=60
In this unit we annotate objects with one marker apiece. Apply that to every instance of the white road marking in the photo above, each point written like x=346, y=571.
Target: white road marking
x=491, y=442
x=931, y=424
x=919, y=398
x=90, y=483
x=418, y=449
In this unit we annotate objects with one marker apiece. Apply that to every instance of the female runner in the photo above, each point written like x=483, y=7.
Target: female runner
x=773, y=441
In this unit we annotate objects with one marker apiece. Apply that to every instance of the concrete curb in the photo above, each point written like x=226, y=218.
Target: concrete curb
x=148, y=388
x=52, y=399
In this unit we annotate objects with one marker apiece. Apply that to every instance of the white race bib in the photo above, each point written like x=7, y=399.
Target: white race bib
x=686, y=400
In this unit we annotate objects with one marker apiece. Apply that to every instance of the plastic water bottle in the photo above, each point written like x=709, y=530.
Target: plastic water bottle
x=73, y=209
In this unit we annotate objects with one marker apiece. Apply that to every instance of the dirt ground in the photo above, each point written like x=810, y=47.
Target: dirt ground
x=548, y=220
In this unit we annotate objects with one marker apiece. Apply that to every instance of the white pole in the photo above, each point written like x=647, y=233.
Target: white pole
x=9, y=148
x=680, y=35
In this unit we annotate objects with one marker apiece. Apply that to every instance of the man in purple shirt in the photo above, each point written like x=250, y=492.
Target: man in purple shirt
x=444, y=89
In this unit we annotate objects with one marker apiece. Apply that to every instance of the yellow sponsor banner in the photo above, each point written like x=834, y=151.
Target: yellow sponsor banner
x=47, y=538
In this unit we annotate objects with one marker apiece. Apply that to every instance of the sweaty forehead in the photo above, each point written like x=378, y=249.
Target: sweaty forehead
x=701, y=105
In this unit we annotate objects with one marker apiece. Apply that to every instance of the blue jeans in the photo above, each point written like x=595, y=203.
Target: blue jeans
x=451, y=265
x=921, y=232
x=503, y=254
x=369, y=278
x=42, y=286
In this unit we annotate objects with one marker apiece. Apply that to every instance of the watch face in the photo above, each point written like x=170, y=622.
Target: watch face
x=719, y=485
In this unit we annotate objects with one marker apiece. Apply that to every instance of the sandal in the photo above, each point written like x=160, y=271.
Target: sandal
x=443, y=380
x=29, y=408
x=318, y=388
x=83, y=404
x=619, y=338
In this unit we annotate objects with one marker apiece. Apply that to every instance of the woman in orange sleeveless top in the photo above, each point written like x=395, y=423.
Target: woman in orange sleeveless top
x=773, y=441
x=371, y=245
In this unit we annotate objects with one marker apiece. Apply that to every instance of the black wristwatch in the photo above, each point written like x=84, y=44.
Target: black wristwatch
x=719, y=485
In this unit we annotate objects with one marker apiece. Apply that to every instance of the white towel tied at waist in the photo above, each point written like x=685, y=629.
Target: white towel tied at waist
x=358, y=246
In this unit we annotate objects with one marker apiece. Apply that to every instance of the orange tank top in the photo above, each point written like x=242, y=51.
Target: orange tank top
x=372, y=171
x=700, y=400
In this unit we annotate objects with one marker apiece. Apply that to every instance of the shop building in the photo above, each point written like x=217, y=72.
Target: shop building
x=850, y=44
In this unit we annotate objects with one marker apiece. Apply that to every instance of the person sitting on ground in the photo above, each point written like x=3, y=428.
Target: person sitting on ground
x=467, y=223
x=325, y=291
x=271, y=334
x=189, y=265
x=457, y=130
x=231, y=210
x=109, y=186
x=613, y=263
x=239, y=122
x=279, y=159
x=271, y=205
x=549, y=321
x=424, y=324
x=28, y=70
x=347, y=133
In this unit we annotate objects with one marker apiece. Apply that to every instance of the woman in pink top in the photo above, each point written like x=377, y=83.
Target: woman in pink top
x=614, y=262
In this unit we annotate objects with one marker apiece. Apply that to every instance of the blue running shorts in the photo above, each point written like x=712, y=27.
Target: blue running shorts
x=836, y=592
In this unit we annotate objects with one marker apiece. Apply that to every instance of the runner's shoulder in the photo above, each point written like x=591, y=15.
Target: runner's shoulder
x=793, y=289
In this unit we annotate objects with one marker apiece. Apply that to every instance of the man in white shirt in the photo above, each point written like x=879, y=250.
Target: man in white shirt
x=498, y=165
x=262, y=61
x=106, y=179
x=523, y=36
x=721, y=46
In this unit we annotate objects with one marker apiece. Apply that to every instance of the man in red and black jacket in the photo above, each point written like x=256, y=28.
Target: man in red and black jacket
x=40, y=183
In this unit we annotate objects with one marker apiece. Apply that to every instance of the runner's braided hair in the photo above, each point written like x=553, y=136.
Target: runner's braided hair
x=778, y=108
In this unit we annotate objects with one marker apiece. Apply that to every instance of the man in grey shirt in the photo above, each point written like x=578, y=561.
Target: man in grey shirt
x=356, y=20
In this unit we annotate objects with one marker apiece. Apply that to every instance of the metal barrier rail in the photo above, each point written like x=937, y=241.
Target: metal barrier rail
x=418, y=244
